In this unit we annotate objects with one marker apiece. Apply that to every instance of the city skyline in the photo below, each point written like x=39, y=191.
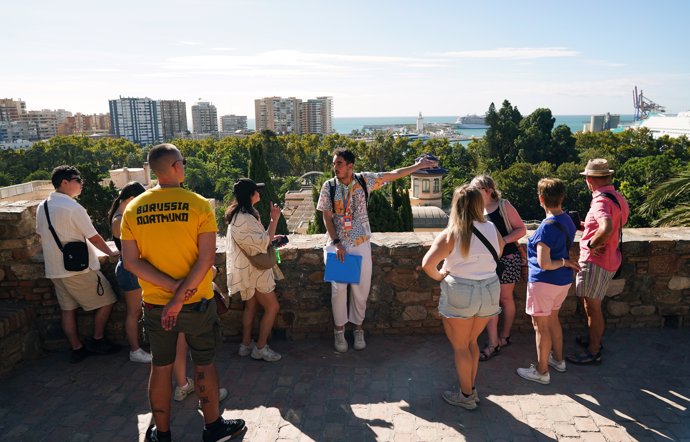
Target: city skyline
x=374, y=58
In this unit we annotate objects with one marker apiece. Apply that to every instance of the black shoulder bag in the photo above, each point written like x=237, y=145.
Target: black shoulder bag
x=499, y=265
x=75, y=255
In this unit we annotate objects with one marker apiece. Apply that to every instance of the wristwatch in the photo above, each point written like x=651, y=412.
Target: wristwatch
x=335, y=241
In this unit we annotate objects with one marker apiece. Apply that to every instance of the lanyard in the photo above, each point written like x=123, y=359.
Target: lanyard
x=346, y=201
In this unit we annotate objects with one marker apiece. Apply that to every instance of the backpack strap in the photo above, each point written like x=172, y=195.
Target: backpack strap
x=331, y=188
x=362, y=182
x=559, y=226
x=613, y=198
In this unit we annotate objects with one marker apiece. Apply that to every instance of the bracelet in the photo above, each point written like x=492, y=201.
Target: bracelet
x=335, y=241
x=563, y=260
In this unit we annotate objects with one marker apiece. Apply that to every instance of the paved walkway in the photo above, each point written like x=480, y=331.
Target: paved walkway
x=388, y=392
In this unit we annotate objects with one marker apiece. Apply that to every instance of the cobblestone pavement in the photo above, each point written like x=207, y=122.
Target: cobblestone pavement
x=388, y=392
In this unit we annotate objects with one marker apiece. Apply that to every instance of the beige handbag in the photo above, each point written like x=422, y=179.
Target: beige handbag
x=262, y=261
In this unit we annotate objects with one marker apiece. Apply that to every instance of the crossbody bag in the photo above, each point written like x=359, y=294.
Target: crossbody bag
x=75, y=254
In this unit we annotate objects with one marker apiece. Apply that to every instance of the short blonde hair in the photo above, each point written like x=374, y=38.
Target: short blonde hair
x=552, y=190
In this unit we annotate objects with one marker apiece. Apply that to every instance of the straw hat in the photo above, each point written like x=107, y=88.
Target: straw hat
x=597, y=167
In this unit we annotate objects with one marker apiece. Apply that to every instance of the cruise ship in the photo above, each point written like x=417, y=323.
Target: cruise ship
x=471, y=122
x=660, y=125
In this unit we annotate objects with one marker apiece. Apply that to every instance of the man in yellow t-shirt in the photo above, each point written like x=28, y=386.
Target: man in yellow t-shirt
x=169, y=242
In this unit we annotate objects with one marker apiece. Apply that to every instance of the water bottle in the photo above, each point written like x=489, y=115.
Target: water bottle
x=277, y=257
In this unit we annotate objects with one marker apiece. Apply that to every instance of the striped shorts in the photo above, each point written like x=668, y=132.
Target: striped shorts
x=592, y=281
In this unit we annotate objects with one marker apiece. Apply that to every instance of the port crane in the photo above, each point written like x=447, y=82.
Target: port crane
x=643, y=105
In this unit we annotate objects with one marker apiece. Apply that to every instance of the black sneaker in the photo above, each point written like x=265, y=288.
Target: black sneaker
x=153, y=436
x=79, y=355
x=223, y=429
x=101, y=346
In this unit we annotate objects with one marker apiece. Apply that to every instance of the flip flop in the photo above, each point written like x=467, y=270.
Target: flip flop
x=507, y=339
x=585, y=358
x=489, y=352
x=583, y=341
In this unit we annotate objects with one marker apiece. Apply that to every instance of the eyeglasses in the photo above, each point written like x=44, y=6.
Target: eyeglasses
x=183, y=161
x=75, y=178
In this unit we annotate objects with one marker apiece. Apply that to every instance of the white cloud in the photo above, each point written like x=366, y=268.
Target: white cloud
x=224, y=49
x=188, y=43
x=513, y=53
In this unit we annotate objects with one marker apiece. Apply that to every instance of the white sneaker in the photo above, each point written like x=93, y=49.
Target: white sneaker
x=459, y=400
x=139, y=355
x=265, y=353
x=246, y=350
x=181, y=393
x=558, y=366
x=360, y=343
x=340, y=342
x=531, y=374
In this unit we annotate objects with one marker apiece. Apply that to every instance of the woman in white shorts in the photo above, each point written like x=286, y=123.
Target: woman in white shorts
x=470, y=289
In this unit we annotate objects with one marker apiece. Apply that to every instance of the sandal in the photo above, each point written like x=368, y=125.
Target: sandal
x=585, y=358
x=507, y=339
x=583, y=341
x=489, y=352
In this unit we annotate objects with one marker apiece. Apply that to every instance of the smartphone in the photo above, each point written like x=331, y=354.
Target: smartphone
x=280, y=241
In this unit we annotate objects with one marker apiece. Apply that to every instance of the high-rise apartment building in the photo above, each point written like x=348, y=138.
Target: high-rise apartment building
x=44, y=121
x=281, y=115
x=204, y=118
x=11, y=110
x=85, y=124
x=317, y=116
x=174, y=118
x=136, y=119
x=233, y=123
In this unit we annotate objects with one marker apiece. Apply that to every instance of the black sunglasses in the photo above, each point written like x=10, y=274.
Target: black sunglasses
x=75, y=178
x=183, y=160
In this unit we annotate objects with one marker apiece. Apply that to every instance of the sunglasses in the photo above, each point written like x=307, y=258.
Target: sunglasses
x=183, y=161
x=75, y=178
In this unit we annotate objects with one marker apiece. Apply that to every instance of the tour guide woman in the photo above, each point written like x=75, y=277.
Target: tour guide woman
x=469, y=286
x=246, y=236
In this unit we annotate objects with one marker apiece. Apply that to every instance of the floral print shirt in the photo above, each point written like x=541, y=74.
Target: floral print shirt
x=361, y=231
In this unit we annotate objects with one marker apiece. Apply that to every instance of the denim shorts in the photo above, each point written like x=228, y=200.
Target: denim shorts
x=125, y=279
x=467, y=298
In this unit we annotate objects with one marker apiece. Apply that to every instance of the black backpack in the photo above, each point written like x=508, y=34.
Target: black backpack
x=360, y=179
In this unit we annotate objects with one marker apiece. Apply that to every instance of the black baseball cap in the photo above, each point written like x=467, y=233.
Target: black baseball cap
x=245, y=187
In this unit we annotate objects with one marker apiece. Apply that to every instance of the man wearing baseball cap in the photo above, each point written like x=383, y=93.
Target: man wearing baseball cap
x=600, y=256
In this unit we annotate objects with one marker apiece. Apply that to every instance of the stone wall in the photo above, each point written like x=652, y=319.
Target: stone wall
x=655, y=291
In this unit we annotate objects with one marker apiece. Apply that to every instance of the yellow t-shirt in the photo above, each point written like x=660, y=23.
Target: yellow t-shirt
x=166, y=223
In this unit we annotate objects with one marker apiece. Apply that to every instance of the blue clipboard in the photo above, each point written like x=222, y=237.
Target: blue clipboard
x=343, y=272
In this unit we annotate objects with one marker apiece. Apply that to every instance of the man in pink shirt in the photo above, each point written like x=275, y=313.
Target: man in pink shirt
x=600, y=255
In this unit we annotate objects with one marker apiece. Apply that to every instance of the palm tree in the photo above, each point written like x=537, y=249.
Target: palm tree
x=673, y=190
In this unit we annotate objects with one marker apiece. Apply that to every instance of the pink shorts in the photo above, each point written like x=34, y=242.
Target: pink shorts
x=543, y=298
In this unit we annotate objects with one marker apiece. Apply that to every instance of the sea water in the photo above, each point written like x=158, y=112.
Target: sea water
x=345, y=125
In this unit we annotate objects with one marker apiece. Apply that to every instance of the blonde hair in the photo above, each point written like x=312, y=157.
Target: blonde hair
x=486, y=182
x=467, y=207
x=552, y=190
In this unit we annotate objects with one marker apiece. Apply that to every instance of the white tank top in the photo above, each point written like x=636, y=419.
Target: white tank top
x=479, y=263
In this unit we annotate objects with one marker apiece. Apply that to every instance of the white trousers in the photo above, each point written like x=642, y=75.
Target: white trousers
x=359, y=293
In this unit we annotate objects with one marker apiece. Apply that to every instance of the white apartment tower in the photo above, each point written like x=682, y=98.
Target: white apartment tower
x=173, y=118
x=317, y=116
x=136, y=119
x=281, y=115
x=204, y=118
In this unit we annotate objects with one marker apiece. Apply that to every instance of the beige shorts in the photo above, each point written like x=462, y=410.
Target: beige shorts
x=90, y=290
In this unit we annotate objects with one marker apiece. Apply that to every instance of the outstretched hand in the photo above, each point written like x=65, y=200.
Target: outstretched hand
x=426, y=163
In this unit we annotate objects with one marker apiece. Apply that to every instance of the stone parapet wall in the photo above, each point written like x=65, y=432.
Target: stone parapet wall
x=655, y=291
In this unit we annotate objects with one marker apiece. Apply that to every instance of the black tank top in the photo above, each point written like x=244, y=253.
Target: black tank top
x=496, y=218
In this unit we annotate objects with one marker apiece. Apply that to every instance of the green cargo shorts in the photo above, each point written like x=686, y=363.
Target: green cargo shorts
x=202, y=331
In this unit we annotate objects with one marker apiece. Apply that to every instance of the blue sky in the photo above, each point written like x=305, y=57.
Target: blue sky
x=376, y=58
